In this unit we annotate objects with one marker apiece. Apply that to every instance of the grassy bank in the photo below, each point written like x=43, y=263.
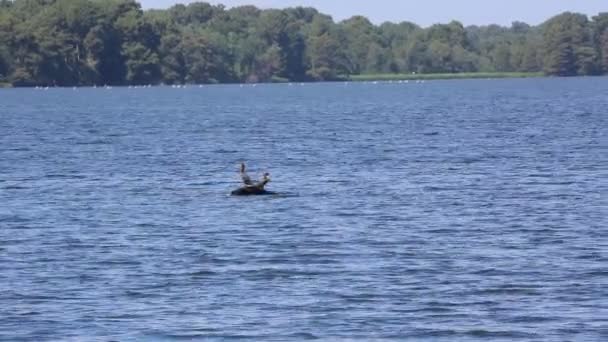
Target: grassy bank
x=405, y=77
x=459, y=76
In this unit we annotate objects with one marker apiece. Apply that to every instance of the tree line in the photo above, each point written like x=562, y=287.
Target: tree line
x=115, y=42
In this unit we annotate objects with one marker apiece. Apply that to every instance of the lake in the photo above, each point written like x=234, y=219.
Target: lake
x=445, y=210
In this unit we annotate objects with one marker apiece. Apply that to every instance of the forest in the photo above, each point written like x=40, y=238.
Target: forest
x=116, y=42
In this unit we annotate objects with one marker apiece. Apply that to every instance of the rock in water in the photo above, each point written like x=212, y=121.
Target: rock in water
x=250, y=191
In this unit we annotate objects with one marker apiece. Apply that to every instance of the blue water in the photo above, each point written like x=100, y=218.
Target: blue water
x=448, y=210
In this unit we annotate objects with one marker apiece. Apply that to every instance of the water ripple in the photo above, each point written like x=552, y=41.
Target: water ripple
x=456, y=211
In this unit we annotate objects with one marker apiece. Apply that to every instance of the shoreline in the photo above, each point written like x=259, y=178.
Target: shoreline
x=444, y=76
x=352, y=78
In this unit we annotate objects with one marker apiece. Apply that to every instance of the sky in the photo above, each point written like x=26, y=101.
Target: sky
x=426, y=12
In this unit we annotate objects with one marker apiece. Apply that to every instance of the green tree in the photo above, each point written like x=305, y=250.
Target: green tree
x=4, y=65
x=501, y=57
x=326, y=60
x=600, y=24
x=377, y=60
x=418, y=57
x=604, y=50
x=269, y=64
x=103, y=55
x=568, y=46
x=325, y=56
x=173, y=66
x=27, y=60
x=359, y=34
x=447, y=49
x=294, y=47
x=192, y=57
x=68, y=42
x=398, y=38
x=532, y=58
x=142, y=64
